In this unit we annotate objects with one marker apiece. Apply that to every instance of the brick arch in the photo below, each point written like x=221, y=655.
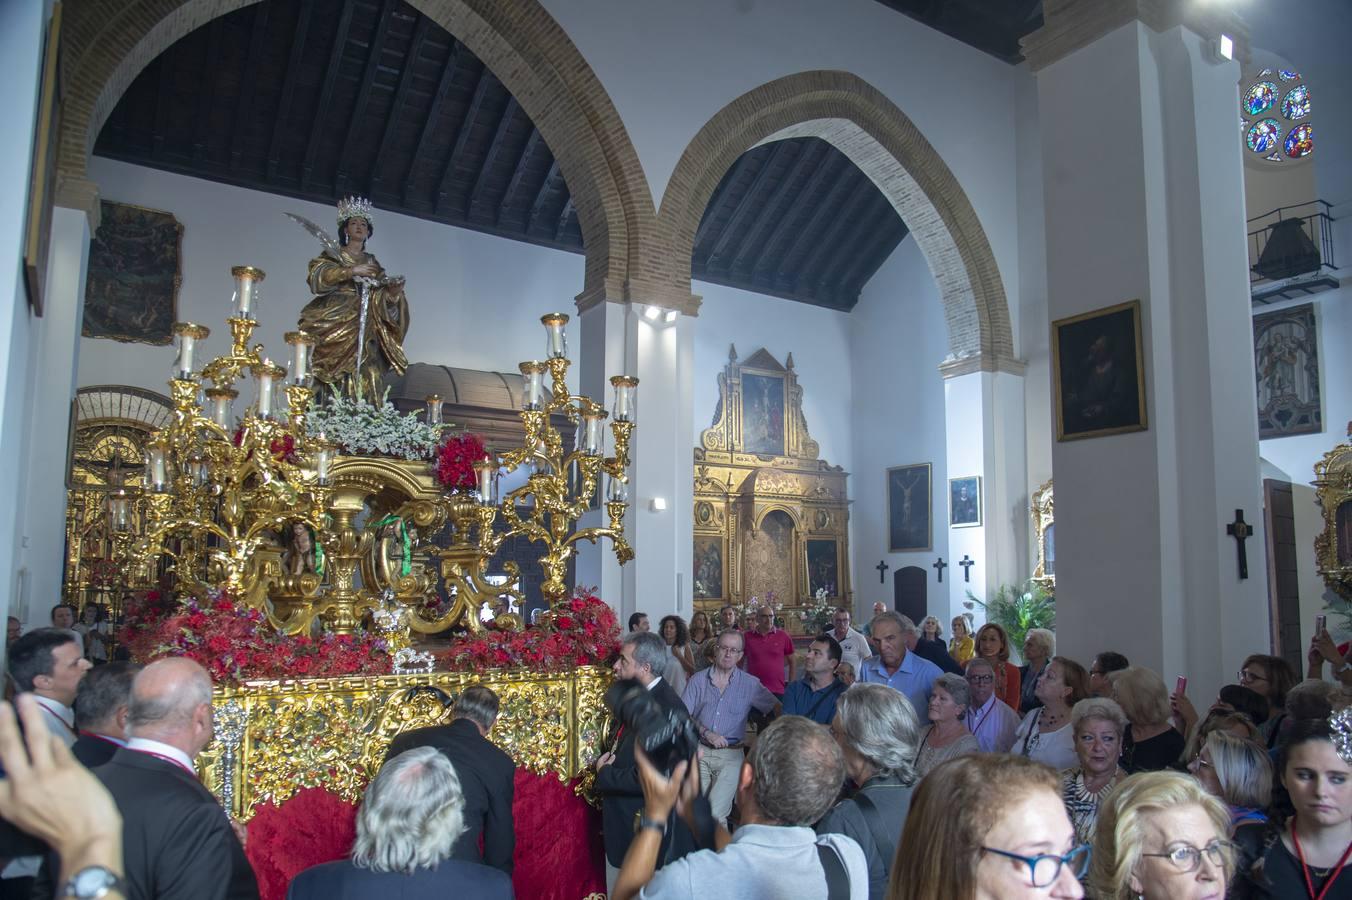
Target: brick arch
x=108, y=42
x=878, y=137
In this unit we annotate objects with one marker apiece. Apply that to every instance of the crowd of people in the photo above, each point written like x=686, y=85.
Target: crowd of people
x=755, y=770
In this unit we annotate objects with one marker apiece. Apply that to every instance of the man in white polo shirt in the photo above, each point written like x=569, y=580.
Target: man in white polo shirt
x=854, y=648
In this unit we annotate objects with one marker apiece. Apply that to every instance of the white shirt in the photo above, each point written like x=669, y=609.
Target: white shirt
x=854, y=649
x=146, y=745
x=59, y=717
x=1055, y=748
x=993, y=724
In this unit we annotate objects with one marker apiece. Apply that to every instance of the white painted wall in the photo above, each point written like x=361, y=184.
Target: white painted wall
x=476, y=299
x=898, y=339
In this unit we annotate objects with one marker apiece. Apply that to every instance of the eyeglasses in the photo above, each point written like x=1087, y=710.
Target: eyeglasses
x=980, y=679
x=1046, y=868
x=733, y=650
x=1246, y=675
x=1187, y=858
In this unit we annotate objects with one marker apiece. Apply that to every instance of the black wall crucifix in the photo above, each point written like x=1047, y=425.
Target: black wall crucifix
x=1240, y=531
x=966, y=563
x=939, y=565
x=882, y=568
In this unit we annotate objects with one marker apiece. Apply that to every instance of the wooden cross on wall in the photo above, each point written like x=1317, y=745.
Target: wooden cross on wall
x=966, y=562
x=882, y=567
x=940, y=565
x=1240, y=531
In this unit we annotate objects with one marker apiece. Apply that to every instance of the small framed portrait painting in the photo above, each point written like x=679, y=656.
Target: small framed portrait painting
x=964, y=501
x=1098, y=373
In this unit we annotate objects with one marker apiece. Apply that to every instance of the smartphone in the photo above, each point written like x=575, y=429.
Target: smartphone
x=1320, y=623
x=1181, y=685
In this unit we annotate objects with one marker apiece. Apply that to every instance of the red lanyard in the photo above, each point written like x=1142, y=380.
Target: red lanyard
x=168, y=759
x=54, y=715
x=1305, y=869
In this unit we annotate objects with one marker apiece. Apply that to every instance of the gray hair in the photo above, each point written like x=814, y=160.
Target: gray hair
x=167, y=708
x=649, y=650
x=980, y=661
x=1097, y=708
x=102, y=691
x=478, y=704
x=957, y=688
x=797, y=770
x=902, y=622
x=412, y=814
x=1045, y=637
x=880, y=724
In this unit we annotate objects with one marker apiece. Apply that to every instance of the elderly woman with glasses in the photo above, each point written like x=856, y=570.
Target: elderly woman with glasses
x=988, y=826
x=1097, y=724
x=1161, y=837
x=1237, y=771
x=946, y=736
x=877, y=731
x=1272, y=677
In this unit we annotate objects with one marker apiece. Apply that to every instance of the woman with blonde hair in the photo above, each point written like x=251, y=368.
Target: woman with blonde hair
x=1161, y=836
x=701, y=640
x=1152, y=743
x=1097, y=724
x=988, y=827
x=962, y=648
x=1237, y=771
x=992, y=645
x=1039, y=646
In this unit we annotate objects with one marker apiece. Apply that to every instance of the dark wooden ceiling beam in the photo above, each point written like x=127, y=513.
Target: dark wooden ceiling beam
x=826, y=162
x=563, y=219
x=829, y=203
x=248, y=84
x=751, y=242
x=207, y=91
x=732, y=228
x=829, y=241
x=357, y=121
x=433, y=116
x=538, y=205
x=734, y=174
x=514, y=184
x=466, y=126
x=325, y=96
x=283, y=118
x=872, y=214
x=415, y=46
x=476, y=194
x=163, y=108
x=888, y=234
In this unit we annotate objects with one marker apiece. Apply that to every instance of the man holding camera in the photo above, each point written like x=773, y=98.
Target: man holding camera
x=642, y=657
x=788, y=783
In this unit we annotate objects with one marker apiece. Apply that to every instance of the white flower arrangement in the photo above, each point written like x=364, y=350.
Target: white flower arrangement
x=367, y=429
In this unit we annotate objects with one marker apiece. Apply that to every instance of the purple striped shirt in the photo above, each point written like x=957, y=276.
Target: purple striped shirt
x=725, y=712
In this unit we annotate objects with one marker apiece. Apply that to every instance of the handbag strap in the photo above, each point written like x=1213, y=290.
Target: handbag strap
x=873, y=818
x=837, y=879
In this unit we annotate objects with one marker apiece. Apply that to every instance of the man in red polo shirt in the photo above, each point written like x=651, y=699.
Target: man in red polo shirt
x=767, y=648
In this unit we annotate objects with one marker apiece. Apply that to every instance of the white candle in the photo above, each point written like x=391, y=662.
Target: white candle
x=591, y=443
x=187, y=335
x=625, y=389
x=301, y=344
x=246, y=280
x=533, y=388
x=556, y=338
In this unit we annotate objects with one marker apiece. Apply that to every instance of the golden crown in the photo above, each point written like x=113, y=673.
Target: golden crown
x=353, y=207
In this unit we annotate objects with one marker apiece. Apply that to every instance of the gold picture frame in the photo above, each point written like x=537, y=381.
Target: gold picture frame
x=1098, y=373
x=903, y=528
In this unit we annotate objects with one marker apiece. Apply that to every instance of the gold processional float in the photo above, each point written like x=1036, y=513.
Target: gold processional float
x=218, y=493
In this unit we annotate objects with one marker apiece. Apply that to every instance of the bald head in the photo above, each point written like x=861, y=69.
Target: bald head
x=171, y=703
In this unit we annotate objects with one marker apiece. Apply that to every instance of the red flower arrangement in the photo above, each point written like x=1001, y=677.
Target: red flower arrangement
x=456, y=459
x=585, y=632
x=234, y=643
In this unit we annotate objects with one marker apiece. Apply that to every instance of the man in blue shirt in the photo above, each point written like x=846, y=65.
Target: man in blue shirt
x=895, y=667
x=814, y=695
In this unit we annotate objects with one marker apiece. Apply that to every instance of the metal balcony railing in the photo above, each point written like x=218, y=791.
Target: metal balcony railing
x=1291, y=251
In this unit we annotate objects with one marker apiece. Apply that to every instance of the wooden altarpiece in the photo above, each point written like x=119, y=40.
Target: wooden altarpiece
x=1333, y=546
x=768, y=513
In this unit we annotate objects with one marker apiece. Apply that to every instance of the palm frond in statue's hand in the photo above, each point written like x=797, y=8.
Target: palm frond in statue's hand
x=323, y=236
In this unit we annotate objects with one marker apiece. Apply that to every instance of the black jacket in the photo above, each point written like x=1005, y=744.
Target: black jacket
x=622, y=796
x=453, y=878
x=92, y=750
x=486, y=779
x=177, y=843
x=937, y=653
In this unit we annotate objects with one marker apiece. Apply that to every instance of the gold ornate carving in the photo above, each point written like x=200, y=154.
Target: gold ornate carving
x=334, y=733
x=1044, y=517
x=760, y=410
x=1333, y=546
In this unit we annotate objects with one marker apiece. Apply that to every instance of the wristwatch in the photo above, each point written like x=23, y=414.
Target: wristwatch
x=93, y=882
x=641, y=822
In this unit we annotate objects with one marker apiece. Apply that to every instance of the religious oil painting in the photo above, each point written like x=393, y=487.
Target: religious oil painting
x=1286, y=357
x=823, y=567
x=964, y=501
x=1098, y=370
x=763, y=414
x=708, y=565
x=134, y=275
x=908, y=508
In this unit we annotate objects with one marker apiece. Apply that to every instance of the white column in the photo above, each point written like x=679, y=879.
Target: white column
x=984, y=436
x=618, y=339
x=1145, y=200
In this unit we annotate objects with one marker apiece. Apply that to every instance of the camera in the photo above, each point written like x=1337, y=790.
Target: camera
x=667, y=736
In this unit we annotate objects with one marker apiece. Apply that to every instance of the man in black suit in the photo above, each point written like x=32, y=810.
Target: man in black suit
x=177, y=841
x=102, y=703
x=642, y=658
x=487, y=775
x=410, y=817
